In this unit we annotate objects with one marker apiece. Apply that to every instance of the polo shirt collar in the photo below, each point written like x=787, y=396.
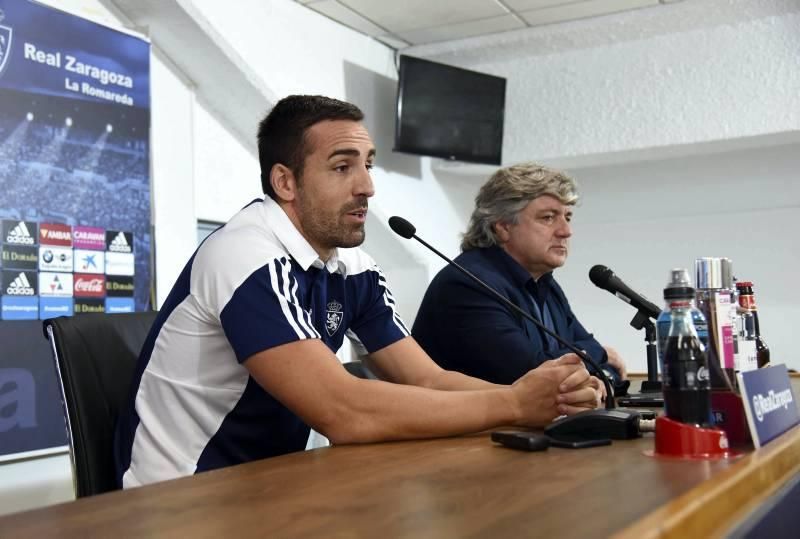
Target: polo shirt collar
x=295, y=244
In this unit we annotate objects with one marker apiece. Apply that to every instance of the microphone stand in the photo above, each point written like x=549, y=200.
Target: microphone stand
x=642, y=321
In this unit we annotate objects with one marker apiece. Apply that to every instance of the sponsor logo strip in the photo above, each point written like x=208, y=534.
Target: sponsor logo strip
x=55, y=234
x=19, y=283
x=20, y=232
x=55, y=258
x=52, y=307
x=55, y=284
x=89, y=305
x=89, y=286
x=89, y=261
x=119, y=305
x=20, y=308
x=119, y=264
x=20, y=257
x=118, y=286
x=119, y=242
x=88, y=237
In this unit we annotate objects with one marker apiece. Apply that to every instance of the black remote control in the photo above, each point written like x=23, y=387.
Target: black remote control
x=525, y=441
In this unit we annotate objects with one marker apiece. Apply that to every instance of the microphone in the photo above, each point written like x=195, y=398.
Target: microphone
x=604, y=278
x=406, y=230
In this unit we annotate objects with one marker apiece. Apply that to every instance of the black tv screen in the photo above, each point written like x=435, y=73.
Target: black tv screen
x=449, y=112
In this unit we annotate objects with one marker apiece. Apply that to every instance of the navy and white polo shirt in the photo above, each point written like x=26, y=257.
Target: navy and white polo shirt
x=253, y=284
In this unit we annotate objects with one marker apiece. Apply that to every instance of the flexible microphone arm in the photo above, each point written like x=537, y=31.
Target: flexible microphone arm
x=405, y=229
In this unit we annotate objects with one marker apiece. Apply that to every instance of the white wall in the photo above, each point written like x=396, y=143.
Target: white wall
x=677, y=74
x=643, y=219
x=299, y=51
x=35, y=482
x=675, y=120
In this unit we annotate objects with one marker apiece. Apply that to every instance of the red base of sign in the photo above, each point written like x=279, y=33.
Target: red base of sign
x=675, y=439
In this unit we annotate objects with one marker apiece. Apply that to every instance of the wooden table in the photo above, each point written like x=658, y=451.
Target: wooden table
x=458, y=487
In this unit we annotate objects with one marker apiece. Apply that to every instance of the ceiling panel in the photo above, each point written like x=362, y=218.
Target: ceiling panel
x=580, y=10
x=400, y=23
x=347, y=16
x=405, y=15
x=527, y=5
x=462, y=30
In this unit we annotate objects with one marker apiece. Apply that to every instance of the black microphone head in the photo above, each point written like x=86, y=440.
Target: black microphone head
x=402, y=227
x=600, y=275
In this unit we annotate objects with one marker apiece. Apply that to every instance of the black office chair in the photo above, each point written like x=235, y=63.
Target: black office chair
x=95, y=357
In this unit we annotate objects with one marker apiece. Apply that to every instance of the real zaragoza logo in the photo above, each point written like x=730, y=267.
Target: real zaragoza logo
x=333, y=317
x=5, y=42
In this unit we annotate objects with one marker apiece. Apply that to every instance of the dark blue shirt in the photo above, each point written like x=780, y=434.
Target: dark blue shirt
x=466, y=329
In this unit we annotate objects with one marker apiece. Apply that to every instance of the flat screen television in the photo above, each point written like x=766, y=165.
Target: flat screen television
x=449, y=112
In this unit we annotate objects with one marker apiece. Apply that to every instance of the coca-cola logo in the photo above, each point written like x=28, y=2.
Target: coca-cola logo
x=95, y=285
x=90, y=285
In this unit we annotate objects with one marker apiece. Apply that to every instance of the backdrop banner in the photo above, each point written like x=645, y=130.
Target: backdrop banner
x=74, y=196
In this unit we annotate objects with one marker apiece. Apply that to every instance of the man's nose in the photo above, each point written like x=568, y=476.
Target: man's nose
x=565, y=230
x=364, y=186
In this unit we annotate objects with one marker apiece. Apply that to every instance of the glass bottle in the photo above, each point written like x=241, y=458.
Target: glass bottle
x=747, y=301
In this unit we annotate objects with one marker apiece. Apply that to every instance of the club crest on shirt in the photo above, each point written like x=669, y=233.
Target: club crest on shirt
x=333, y=318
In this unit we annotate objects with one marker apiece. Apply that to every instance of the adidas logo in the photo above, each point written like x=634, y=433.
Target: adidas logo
x=20, y=235
x=20, y=286
x=119, y=244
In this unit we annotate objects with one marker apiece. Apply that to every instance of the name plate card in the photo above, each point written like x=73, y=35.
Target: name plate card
x=769, y=403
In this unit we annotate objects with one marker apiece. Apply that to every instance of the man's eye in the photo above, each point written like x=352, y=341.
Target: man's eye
x=341, y=168
x=370, y=166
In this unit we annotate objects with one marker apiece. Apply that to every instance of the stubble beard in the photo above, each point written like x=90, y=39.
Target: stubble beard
x=326, y=227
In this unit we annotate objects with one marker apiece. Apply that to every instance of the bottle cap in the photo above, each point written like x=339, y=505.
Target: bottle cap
x=679, y=286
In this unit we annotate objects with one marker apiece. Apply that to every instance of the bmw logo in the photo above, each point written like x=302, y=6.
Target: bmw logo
x=47, y=256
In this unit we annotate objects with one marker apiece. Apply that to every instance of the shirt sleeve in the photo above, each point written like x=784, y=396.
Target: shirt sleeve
x=377, y=324
x=264, y=311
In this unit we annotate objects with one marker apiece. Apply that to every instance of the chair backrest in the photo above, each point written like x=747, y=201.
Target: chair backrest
x=358, y=369
x=95, y=357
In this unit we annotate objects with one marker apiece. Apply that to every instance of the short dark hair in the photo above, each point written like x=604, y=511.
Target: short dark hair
x=282, y=134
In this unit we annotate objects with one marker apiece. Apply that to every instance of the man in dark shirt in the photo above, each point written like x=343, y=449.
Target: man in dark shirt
x=518, y=234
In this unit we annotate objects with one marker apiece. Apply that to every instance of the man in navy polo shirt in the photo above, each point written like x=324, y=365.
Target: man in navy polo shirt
x=518, y=234
x=240, y=362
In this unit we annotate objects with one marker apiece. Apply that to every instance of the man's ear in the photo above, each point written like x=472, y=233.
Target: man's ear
x=501, y=230
x=283, y=182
